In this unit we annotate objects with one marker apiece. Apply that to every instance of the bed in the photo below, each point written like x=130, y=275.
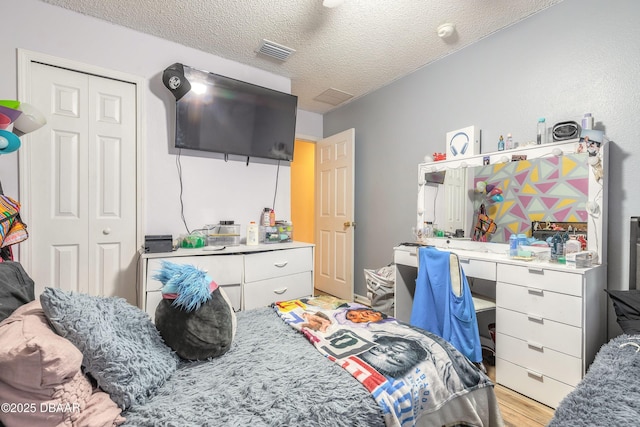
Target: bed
x=286, y=366
x=609, y=392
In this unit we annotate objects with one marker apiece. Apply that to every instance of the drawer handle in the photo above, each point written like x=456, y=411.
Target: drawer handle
x=535, y=346
x=281, y=264
x=464, y=260
x=413, y=254
x=535, y=375
x=280, y=291
x=535, y=319
x=534, y=291
x=534, y=270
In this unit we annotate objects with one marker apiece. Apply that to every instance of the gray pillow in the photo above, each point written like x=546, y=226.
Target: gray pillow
x=121, y=348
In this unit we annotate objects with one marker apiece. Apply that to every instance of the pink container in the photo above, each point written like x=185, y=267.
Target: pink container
x=5, y=121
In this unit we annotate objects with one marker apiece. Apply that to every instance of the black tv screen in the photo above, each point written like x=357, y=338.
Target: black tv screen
x=224, y=115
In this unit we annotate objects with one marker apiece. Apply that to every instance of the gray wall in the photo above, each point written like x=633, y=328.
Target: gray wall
x=575, y=57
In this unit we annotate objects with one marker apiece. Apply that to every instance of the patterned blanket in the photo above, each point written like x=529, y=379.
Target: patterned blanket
x=417, y=378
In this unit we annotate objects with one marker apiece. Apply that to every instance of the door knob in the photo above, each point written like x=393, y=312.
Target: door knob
x=106, y=231
x=349, y=224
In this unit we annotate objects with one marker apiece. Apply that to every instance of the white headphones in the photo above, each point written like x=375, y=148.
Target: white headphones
x=465, y=145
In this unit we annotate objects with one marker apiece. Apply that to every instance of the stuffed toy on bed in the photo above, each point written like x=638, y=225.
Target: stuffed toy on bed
x=195, y=317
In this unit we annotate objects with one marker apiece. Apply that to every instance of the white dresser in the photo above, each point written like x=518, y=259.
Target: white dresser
x=252, y=276
x=550, y=319
x=549, y=325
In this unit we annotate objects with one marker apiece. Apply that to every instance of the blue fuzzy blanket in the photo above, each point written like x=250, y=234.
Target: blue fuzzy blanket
x=609, y=393
x=271, y=376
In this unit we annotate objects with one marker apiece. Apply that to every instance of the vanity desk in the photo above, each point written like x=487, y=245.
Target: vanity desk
x=550, y=319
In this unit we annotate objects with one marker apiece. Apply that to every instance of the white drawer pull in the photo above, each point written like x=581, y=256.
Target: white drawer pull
x=280, y=291
x=535, y=319
x=535, y=346
x=281, y=264
x=535, y=375
x=533, y=291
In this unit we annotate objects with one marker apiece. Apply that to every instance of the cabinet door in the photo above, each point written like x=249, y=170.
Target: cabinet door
x=533, y=384
x=265, y=292
x=278, y=263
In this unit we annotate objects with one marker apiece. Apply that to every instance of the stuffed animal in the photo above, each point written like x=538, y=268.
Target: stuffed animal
x=195, y=317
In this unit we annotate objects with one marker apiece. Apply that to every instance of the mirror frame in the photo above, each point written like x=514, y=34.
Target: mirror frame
x=597, y=197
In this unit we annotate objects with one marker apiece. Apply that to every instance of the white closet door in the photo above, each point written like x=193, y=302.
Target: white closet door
x=83, y=183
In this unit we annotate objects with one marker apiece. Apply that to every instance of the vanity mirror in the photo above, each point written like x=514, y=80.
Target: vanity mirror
x=551, y=187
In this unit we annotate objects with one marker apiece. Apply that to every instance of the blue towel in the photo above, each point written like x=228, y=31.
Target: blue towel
x=436, y=308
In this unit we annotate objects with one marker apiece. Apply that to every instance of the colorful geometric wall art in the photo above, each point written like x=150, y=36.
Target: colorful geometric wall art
x=553, y=189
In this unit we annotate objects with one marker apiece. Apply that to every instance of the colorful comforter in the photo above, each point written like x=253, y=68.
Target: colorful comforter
x=417, y=378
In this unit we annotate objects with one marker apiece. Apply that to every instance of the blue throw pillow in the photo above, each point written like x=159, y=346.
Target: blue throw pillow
x=121, y=348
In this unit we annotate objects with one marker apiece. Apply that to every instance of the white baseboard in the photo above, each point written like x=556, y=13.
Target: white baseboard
x=362, y=299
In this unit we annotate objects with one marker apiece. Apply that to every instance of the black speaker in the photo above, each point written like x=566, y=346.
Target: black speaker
x=174, y=80
x=158, y=243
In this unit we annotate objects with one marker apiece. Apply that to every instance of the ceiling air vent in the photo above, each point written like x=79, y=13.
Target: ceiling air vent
x=275, y=50
x=333, y=96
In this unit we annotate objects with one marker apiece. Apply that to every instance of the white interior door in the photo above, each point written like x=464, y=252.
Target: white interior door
x=335, y=214
x=81, y=178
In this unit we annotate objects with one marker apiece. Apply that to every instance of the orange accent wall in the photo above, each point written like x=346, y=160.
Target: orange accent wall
x=303, y=191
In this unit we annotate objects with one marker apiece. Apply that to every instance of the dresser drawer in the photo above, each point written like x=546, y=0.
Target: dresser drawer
x=540, y=303
x=478, y=269
x=267, y=265
x=541, y=278
x=541, y=359
x=406, y=257
x=530, y=383
x=265, y=292
x=223, y=269
x=542, y=332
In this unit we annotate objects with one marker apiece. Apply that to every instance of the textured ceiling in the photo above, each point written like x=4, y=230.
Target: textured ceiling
x=355, y=48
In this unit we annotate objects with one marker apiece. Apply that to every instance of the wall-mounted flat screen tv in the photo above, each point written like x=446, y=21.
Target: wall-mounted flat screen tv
x=224, y=115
